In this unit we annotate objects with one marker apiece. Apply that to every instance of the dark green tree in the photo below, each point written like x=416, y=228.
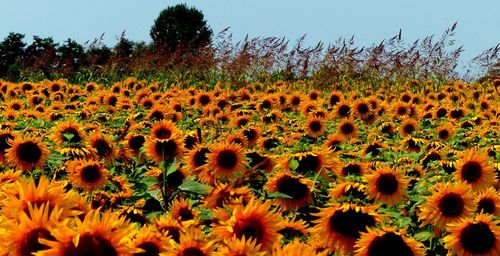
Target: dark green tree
x=180, y=26
x=11, y=51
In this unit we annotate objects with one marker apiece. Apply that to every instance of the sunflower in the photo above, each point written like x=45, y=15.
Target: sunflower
x=163, y=149
x=386, y=185
x=291, y=229
x=102, y=145
x=352, y=168
x=389, y=242
x=400, y=109
x=408, y=127
x=150, y=240
x=167, y=225
x=163, y=130
x=252, y=135
x=226, y=160
x=362, y=109
x=342, y=110
x=22, y=236
x=333, y=142
x=254, y=221
x=239, y=247
x=313, y=161
x=296, y=187
x=488, y=202
x=5, y=137
x=192, y=242
x=334, y=98
x=340, y=225
x=182, y=210
x=346, y=189
x=315, y=126
x=26, y=192
x=445, y=131
x=448, y=203
x=27, y=154
x=479, y=235
x=347, y=129
x=97, y=234
x=225, y=195
x=134, y=143
x=474, y=168
x=87, y=174
x=196, y=158
x=295, y=248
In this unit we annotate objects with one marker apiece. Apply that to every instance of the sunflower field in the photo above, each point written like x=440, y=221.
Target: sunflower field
x=275, y=168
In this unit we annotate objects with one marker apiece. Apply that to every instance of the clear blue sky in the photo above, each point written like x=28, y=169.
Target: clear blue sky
x=370, y=21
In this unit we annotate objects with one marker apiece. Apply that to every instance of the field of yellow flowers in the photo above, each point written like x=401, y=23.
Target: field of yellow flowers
x=138, y=168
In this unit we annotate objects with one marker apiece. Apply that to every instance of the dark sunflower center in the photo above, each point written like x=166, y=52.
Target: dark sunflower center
x=290, y=233
x=315, y=126
x=441, y=112
x=91, y=245
x=308, y=163
x=387, y=184
x=350, y=223
x=242, y=122
x=251, y=229
x=102, y=147
x=157, y=115
x=76, y=135
x=227, y=159
x=429, y=158
x=90, y=173
x=167, y=149
x=347, y=128
x=457, y=113
x=374, y=149
x=190, y=142
x=334, y=99
x=150, y=249
x=443, y=134
x=163, y=134
x=451, y=205
x=55, y=87
x=250, y=134
x=265, y=104
x=387, y=129
x=200, y=157
x=31, y=244
x=186, y=214
x=486, y=205
x=409, y=128
x=344, y=110
x=477, y=238
x=270, y=143
x=192, y=251
x=135, y=142
x=402, y=111
x=363, y=108
x=173, y=232
x=471, y=171
x=4, y=145
x=236, y=140
x=295, y=101
x=175, y=179
x=292, y=187
x=389, y=244
x=29, y=152
x=112, y=100
x=204, y=100
x=351, y=169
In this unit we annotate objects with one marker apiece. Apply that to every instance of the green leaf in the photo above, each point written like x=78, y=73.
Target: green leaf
x=293, y=163
x=423, y=236
x=67, y=135
x=172, y=167
x=278, y=195
x=195, y=187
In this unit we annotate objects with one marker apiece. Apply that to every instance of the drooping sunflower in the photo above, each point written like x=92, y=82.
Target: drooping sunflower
x=5, y=137
x=252, y=135
x=314, y=162
x=315, y=126
x=387, y=242
x=182, y=210
x=291, y=229
x=474, y=168
x=341, y=224
x=333, y=142
x=352, y=168
x=298, y=188
x=479, y=235
x=102, y=145
x=254, y=221
x=134, y=143
x=295, y=248
x=27, y=154
x=347, y=190
x=196, y=158
x=448, y=203
x=87, y=174
x=99, y=233
x=347, y=129
x=226, y=195
x=488, y=202
x=387, y=185
x=226, y=160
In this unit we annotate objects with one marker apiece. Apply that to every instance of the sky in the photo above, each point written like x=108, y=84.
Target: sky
x=369, y=21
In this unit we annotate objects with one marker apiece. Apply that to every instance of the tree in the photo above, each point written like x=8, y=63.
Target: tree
x=11, y=50
x=180, y=26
